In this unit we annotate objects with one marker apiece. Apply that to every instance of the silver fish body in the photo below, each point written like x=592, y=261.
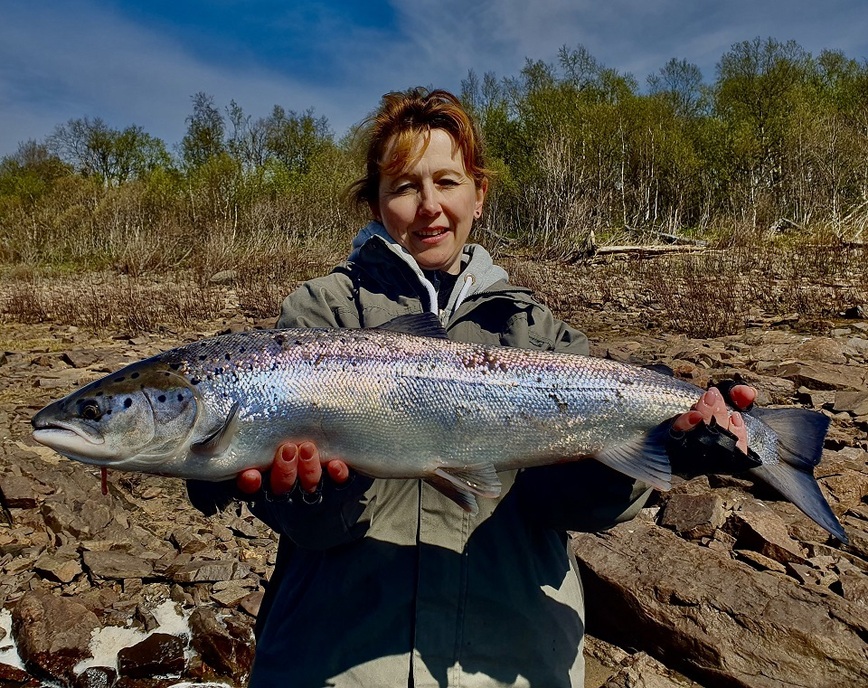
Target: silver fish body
x=392, y=404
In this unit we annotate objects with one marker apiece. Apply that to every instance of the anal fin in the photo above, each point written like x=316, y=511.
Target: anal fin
x=463, y=485
x=644, y=458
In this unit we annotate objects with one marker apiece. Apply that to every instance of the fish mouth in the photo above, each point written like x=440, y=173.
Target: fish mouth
x=59, y=434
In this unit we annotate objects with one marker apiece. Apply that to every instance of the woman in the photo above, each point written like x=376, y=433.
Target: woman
x=387, y=582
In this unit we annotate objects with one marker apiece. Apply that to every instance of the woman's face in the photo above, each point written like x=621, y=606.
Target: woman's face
x=430, y=206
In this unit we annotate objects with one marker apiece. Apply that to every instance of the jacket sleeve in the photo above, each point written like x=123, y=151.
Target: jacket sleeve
x=585, y=495
x=337, y=516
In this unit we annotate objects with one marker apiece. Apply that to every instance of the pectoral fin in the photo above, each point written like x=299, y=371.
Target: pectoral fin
x=218, y=441
x=463, y=485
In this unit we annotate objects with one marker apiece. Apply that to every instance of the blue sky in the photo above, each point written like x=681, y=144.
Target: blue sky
x=140, y=62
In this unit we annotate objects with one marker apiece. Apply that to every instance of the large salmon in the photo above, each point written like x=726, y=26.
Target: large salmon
x=403, y=401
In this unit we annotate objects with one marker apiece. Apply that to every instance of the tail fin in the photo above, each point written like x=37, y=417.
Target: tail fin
x=800, y=446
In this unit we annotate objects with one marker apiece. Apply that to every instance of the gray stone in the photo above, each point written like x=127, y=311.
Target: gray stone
x=854, y=403
x=693, y=516
x=114, y=565
x=206, y=571
x=62, y=566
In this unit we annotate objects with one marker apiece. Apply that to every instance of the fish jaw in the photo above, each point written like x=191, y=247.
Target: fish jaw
x=72, y=441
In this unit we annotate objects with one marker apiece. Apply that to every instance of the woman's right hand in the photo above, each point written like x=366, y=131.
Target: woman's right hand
x=294, y=462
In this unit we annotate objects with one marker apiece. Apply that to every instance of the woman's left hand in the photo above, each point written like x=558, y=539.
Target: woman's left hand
x=711, y=405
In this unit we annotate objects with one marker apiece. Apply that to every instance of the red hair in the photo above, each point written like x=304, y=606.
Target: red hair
x=395, y=130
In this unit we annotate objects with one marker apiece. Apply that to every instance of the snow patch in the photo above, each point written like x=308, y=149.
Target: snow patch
x=8, y=651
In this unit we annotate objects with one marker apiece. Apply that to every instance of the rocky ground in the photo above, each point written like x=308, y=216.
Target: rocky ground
x=718, y=580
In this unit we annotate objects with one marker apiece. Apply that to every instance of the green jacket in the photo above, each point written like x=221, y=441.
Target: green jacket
x=387, y=582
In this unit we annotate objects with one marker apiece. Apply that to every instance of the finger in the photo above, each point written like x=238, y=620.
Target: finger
x=742, y=396
x=338, y=471
x=687, y=421
x=309, y=467
x=284, y=470
x=737, y=428
x=711, y=405
x=249, y=481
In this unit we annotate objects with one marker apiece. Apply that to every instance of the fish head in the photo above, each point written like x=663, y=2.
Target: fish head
x=133, y=419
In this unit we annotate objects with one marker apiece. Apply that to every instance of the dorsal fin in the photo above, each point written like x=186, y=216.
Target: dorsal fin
x=661, y=368
x=420, y=324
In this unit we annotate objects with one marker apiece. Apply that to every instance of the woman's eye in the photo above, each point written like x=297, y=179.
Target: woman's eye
x=448, y=182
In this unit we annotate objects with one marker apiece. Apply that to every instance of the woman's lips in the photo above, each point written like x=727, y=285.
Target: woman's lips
x=431, y=236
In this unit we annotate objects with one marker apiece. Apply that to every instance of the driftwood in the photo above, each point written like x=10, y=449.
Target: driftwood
x=647, y=251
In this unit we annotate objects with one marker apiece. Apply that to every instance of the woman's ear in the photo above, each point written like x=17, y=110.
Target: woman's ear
x=481, y=190
x=375, y=211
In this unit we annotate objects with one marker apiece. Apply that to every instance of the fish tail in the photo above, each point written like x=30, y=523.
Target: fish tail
x=800, y=434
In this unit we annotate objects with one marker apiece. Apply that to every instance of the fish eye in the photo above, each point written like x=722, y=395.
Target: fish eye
x=89, y=410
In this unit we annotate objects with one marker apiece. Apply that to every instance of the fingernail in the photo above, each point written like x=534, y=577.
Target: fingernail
x=288, y=452
x=713, y=394
x=306, y=452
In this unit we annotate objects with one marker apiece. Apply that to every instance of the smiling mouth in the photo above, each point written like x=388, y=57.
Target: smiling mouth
x=430, y=233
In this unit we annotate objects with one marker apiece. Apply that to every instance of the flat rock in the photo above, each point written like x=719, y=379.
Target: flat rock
x=116, y=565
x=854, y=403
x=20, y=492
x=208, y=572
x=757, y=527
x=719, y=622
x=693, y=516
x=643, y=671
x=817, y=375
x=80, y=358
x=228, y=654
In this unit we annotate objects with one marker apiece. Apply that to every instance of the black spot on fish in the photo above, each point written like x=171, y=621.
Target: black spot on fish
x=128, y=402
x=108, y=412
x=202, y=357
x=134, y=376
x=174, y=366
x=98, y=394
x=228, y=356
x=563, y=407
x=195, y=381
x=241, y=350
x=180, y=397
x=279, y=339
x=120, y=379
x=161, y=398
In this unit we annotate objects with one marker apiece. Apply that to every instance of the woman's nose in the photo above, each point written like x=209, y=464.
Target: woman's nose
x=429, y=203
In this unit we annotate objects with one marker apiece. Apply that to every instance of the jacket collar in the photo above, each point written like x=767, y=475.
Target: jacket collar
x=479, y=272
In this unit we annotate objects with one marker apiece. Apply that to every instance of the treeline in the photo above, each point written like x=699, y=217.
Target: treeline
x=780, y=136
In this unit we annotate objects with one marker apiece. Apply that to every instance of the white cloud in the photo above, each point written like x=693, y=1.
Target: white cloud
x=60, y=60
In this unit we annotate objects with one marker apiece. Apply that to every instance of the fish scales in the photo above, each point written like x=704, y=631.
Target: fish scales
x=394, y=404
x=379, y=395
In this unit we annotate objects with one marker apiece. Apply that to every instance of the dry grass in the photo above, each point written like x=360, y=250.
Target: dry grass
x=110, y=303
x=742, y=279
x=713, y=293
